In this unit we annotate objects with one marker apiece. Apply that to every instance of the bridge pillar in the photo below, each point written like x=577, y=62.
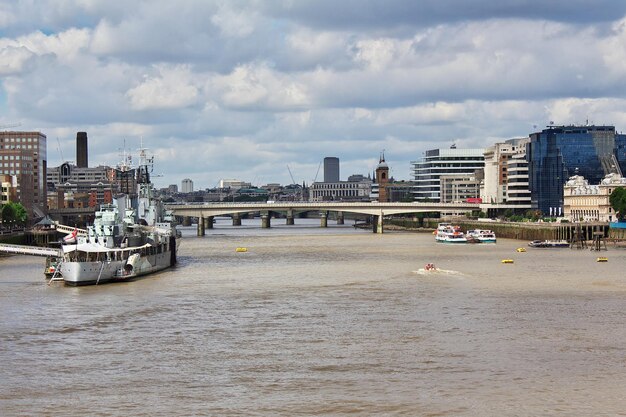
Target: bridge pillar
x=236, y=219
x=377, y=224
x=265, y=220
x=323, y=219
x=186, y=221
x=200, y=226
x=290, y=221
x=340, y=217
x=208, y=222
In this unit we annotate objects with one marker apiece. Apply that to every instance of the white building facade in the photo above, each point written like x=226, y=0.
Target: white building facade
x=584, y=202
x=506, y=175
x=186, y=186
x=341, y=191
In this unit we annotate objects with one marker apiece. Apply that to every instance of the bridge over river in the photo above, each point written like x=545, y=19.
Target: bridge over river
x=205, y=212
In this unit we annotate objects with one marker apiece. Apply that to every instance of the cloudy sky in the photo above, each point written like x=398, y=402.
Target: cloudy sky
x=243, y=89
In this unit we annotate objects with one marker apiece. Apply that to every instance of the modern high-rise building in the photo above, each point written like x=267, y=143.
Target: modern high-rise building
x=456, y=166
x=23, y=155
x=82, y=160
x=517, y=191
x=560, y=152
x=186, y=186
x=506, y=175
x=331, y=169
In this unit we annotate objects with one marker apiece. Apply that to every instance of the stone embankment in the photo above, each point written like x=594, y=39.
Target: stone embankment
x=519, y=230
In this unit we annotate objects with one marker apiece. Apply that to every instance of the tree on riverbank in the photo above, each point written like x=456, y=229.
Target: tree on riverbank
x=618, y=202
x=13, y=214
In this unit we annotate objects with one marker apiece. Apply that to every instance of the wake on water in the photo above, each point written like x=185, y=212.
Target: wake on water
x=437, y=271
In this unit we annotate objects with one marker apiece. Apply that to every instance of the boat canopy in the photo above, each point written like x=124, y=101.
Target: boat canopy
x=93, y=248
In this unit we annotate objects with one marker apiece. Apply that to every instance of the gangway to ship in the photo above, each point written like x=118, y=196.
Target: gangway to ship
x=69, y=229
x=29, y=250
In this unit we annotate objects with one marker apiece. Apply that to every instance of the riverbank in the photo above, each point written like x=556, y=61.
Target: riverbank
x=526, y=231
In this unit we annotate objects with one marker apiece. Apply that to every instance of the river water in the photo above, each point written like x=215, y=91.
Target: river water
x=313, y=321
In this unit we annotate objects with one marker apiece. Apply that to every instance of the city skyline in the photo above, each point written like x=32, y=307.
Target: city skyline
x=244, y=89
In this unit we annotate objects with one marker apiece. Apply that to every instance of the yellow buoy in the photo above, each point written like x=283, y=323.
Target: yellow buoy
x=241, y=250
x=521, y=249
x=507, y=261
x=602, y=260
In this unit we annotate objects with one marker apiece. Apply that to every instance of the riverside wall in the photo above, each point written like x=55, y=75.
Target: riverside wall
x=520, y=230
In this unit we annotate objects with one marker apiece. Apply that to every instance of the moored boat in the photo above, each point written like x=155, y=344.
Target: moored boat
x=131, y=237
x=50, y=270
x=549, y=244
x=447, y=233
x=480, y=236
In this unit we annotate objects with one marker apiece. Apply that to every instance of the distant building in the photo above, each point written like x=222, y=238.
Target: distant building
x=186, y=186
x=585, y=202
x=400, y=191
x=331, y=169
x=23, y=155
x=252, y=192
x=517, y=188
x=68, y=181
x=67, y=172
x=234, y=184
x=8, y=190
x=357, y=177
x=172, y=189
x=382, y=179
x=560, y=152
x=341, y=191
x=455, y=188
x=82, y=160
x=505, y=183
x=456, y=164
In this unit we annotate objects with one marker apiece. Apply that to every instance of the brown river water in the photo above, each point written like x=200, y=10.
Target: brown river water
x=315, y=321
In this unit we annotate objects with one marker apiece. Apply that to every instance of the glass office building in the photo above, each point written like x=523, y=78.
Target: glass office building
x=559, y=152
x=437, y=163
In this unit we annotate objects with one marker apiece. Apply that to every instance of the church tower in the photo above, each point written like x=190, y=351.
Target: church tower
x=382, y=179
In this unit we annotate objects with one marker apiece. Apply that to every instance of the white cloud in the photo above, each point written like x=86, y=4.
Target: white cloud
x=377, y=54
x=13, y=59
x=297, y=83
x=258, y=86
x=235, y=23
x=172, y=88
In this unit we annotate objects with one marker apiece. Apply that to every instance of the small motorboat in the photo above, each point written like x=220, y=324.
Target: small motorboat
x=430, y=267
x=549, y=244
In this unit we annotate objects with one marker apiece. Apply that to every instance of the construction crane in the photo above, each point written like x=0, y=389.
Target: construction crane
x=291, y=175
x=59, y=149
x=317, y=173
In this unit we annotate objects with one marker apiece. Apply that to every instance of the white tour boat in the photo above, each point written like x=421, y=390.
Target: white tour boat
x=481, y=236
x=447, y=233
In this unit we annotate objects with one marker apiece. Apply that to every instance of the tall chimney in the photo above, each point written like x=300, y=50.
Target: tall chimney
x=81, y=150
